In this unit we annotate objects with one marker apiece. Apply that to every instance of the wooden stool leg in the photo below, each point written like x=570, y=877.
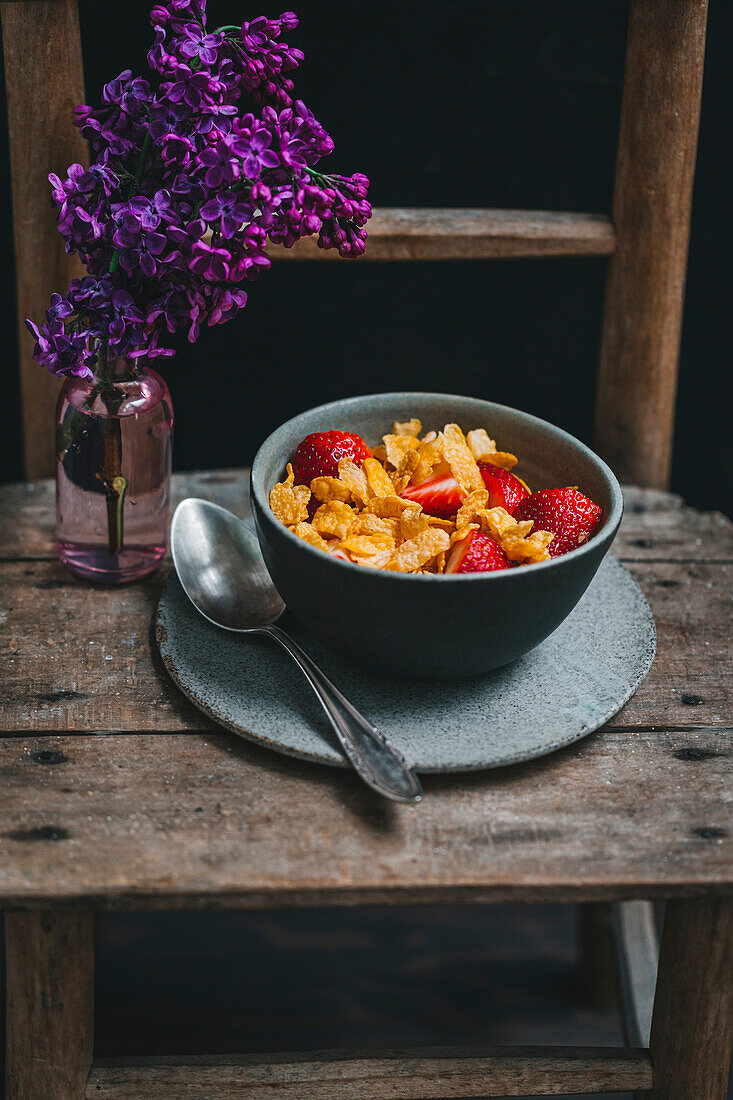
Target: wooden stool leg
x=50, y=1004
x=692, y=1025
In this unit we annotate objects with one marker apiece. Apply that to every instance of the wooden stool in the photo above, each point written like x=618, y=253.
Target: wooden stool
x=171, y=812
x=157, y=808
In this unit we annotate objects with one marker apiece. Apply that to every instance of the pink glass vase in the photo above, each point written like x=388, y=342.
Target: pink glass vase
x=114, y=438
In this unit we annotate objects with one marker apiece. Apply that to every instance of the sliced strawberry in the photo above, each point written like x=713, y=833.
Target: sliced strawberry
x=439, y=495
x=339, y=554
x=477, y=553
x=319, y=453
x=571, y=516
x=505, y=489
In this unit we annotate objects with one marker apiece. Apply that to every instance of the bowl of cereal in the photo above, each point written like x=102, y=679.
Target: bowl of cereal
x=430, y=536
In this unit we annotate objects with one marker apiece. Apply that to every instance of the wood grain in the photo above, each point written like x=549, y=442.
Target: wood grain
x=44, y=78
x=387, y=1075
x=156, y=807
x=651, y=213
x=454, y=234
x=50, y=1004
x=80, y=658
x=188, y=820
x=692, y=1027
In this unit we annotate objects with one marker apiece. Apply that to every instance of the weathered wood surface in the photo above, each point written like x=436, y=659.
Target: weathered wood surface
x=44, y=78
x=207, y=819
x=159, y=808
x=651, y=213
x=49, y=1004
x=472, y=234
x=79, y=659
x=692, y=1027
x=387, y=1075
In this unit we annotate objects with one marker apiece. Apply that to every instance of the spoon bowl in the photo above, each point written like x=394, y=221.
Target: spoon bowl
x=220, y=566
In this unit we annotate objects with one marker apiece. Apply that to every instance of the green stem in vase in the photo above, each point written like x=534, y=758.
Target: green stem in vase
x=111, y=476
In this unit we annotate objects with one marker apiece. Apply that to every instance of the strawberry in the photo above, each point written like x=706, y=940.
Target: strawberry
x=571, y=517
x=439, y=495
x=319, y=453
x=477, y=553
x=505, y=490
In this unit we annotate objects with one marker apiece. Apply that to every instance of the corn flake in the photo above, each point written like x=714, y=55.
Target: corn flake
x=308, y=533
x=502, y=458
x=417, y=552
x=330, y=488
x=402, y=475
x=335, y=519
x=413, y=522
x=481, y=445
x=368, y=545
x=408, y=427
x=289, y=502
x=430, y=454
x=396, y=446
x=355, y=479
x=377, y=477
x=515, y=538
x=459, y=457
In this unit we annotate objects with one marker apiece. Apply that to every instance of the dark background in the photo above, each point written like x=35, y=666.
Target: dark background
x=444, y=104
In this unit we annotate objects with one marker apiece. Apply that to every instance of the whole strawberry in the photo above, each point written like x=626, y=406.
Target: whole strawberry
x=477, y=553
x=319, y=453
x=571, y=516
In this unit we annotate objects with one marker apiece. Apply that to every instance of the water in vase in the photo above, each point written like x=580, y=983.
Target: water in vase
x=113, y=476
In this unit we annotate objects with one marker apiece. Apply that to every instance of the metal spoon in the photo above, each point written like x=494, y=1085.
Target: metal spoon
x=220, y=565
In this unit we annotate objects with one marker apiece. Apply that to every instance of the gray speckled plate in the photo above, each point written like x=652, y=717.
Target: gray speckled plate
x=564, y=689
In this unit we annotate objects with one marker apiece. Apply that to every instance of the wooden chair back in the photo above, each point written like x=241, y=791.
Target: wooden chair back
x=646, y=238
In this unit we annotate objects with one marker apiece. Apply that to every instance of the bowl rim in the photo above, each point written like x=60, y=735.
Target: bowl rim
x=607, y=534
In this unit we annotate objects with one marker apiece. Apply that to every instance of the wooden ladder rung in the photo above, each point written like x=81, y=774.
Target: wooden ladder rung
x=453, y=234
x=425, y=1074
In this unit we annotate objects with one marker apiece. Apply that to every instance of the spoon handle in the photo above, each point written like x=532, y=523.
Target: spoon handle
x=379, y=764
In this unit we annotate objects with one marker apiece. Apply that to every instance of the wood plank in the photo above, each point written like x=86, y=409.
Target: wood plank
x=657, y=526
x=78, y=657
x=692, y=1028
x=45, y=81
x=651, y=212
x=381, y=1075
x=472, y=234
x=637, y=955
x=187, y=820
x=50, y=1004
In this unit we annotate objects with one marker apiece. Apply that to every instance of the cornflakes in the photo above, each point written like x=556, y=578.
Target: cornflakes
x=360, y=515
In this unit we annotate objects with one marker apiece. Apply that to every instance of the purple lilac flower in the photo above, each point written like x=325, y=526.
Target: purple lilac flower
x=227, y=212
x=214, y=140
x=211, y=263
x=200, y=45
x=62, y=353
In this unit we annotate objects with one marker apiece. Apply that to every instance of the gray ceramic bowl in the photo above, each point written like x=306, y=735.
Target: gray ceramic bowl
x=430, y=627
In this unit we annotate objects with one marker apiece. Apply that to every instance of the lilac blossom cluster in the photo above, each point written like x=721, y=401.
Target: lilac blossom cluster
x=187, y=187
